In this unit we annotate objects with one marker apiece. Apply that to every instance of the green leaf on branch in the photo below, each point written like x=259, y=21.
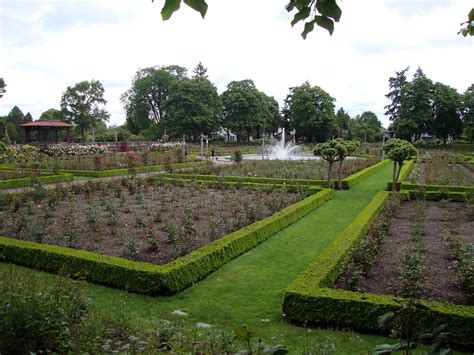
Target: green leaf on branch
x=198, y=5
x=329, y=8
x=169, y=8
x=301, y=15
x=308, y=27
x=325, y=22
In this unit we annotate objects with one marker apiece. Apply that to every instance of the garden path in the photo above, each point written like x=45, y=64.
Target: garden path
x=249, y=290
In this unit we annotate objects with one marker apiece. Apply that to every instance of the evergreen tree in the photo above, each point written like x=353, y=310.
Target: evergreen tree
x=2, y=87
x=396, y=85
x=200, y=71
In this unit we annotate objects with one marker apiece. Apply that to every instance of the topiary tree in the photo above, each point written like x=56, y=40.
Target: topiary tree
x=328, y=151
x=344, y=149
x=398, y=150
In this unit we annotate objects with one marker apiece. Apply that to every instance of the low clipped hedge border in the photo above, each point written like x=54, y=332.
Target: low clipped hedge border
x=347, y=183
x=25, y=182
x=249, y=179
x=406, y=169
x=124, y=171
x=146, y=278
x=311, y=299
x=438, y=192
x=355, y=178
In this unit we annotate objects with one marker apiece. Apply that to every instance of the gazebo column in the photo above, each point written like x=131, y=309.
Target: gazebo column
x=68, y=135
x=27, y=134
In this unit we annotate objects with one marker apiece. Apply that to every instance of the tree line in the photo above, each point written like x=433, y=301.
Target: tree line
x=167, y=102
x=423, y=107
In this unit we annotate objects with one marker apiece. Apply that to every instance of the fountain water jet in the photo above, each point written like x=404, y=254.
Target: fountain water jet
x=281, y=151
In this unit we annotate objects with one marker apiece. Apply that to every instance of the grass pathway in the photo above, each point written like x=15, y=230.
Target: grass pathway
x=249, y=290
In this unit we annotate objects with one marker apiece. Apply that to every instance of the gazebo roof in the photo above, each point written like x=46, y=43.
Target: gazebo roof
x=58, y=124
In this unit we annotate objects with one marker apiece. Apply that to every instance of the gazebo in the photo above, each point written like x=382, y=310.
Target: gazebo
x=43, y=128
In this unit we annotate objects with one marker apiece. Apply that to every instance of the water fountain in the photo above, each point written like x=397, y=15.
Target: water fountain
x=281, y=151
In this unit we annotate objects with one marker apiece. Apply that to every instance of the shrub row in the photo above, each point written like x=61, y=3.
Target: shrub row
x=347, y=183
x=24, y=182
x=124, y=171
x=250, y=179
x=406, y=169
x=311, y=299
x=354, y=179
x=152, y=279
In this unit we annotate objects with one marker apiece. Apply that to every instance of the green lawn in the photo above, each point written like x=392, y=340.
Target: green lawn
x=249, y=290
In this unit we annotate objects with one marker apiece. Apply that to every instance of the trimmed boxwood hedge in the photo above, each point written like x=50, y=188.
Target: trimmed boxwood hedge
x=347, y=183
x=406, y=169
x=124, y=171
x=355, y=178
x=311, y=299
x=249, y=179
x=24, y=182
x=152, y=279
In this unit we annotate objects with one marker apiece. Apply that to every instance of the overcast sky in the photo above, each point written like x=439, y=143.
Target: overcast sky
x=47, y=45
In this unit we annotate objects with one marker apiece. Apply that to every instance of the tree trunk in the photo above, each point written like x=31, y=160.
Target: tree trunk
x=329, y=174
x=394, y=174
x=395, y=187
x=339, y=183
x=83, y=134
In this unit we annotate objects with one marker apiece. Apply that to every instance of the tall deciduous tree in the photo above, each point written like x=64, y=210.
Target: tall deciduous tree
x=245, y=109
x=366, y=127
x=193, y=107
x=310, y=111
x=144, y=103
x=84, y=104
x=52, y=115
x=468, y=114
x=342, y=120
x=447, y=112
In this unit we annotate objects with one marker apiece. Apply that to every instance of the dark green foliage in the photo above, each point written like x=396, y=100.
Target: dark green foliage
x=310, y=299
x=52, y=115
x=248, y=111
x=401, y=324
x=37, y=316
x=238, y=156
x=469, y=29
x=366, y=127
x=144, y=102
x=463, y=265
x=192, y=107
x=2, y=87
x=152, y=279
x=84, y=104
x=396, y=85
x=310, y=111
x=447, y=112
x=398, y=151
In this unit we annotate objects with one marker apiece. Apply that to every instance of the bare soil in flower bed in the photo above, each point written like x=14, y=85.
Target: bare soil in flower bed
x=314, y=169
x=154, y=222
x=440, y=280
x=450, y=174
